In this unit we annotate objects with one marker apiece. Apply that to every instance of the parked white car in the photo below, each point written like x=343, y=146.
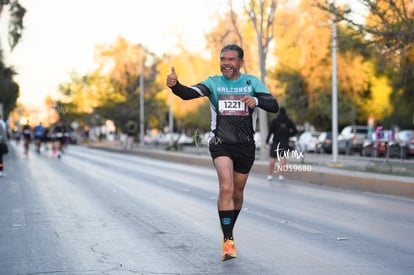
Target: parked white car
x=307, y=141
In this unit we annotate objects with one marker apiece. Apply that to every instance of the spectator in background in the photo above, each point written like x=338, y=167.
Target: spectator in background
x=3, y=144
x=282, y=128
x=86, y=133
x=378, y=132
x=131, y=131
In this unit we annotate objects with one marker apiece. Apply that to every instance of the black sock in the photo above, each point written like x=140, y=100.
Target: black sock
x=227, y=223
x=236, y=214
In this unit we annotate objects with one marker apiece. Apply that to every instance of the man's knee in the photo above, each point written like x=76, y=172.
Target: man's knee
x=237, y=195
x=226, y=189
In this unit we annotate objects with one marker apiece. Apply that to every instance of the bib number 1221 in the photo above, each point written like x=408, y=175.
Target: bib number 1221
x=230, y=105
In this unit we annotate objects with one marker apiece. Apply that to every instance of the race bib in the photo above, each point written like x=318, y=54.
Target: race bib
x=230, y=105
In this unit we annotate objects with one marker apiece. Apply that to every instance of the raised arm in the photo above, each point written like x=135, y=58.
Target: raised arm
x=172, y=78
x=183, y=91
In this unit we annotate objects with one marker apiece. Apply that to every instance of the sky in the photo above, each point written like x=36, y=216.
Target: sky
x=60, y=36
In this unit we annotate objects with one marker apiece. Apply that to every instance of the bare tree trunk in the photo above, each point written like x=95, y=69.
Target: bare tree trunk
x=262, y=18
x=263, y=123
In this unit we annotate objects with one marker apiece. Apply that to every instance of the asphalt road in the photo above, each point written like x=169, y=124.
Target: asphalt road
x=98, y=212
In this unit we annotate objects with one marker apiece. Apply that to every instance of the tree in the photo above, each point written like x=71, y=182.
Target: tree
x=196, y=120
x=16, y=27
x=295, y=95
x=9, y=89
x=122, y=63
x=17, y=13
x=304, y=68
x=112, y=90
x=389, y=30
x=191, y=68
x=388, y=26
x=262, y=16
x=80, y=96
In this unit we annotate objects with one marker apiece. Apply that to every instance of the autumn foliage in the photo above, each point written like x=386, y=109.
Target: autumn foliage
x=298, y=70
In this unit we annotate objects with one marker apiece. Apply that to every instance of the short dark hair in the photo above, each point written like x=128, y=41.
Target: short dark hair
x=233, y=47
x=282, y=110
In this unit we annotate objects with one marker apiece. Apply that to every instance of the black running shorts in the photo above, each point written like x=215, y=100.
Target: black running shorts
x=242, y=155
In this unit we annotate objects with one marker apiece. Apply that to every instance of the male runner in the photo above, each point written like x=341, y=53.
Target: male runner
x=39, y=134
x=234, y=98
x=58, y=136
x=27, y=137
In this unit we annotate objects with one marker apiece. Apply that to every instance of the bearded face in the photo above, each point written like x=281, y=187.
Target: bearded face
x=230, y=64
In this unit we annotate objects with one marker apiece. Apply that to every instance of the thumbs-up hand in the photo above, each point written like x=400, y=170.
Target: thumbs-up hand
x=172, y=78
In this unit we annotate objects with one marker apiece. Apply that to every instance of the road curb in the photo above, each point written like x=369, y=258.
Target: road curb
x=365, y=183
x=327, y=176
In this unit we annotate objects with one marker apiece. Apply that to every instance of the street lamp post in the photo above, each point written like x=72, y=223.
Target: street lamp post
x=334, y=91
x=141, y=100
x=170, y=115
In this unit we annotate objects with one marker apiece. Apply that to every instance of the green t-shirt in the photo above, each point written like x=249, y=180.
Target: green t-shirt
x=246, y=84
x=231, y=120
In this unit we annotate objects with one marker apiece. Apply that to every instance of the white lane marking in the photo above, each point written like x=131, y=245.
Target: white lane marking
x=17, y=217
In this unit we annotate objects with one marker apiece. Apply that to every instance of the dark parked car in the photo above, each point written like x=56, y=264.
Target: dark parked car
x=352, y=138
x=403, y=146
x=324, y=144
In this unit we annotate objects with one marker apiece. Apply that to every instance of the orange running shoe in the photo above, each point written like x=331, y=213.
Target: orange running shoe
x=229, y=250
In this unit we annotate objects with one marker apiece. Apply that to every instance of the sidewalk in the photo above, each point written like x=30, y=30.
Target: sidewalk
x=321, y=174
